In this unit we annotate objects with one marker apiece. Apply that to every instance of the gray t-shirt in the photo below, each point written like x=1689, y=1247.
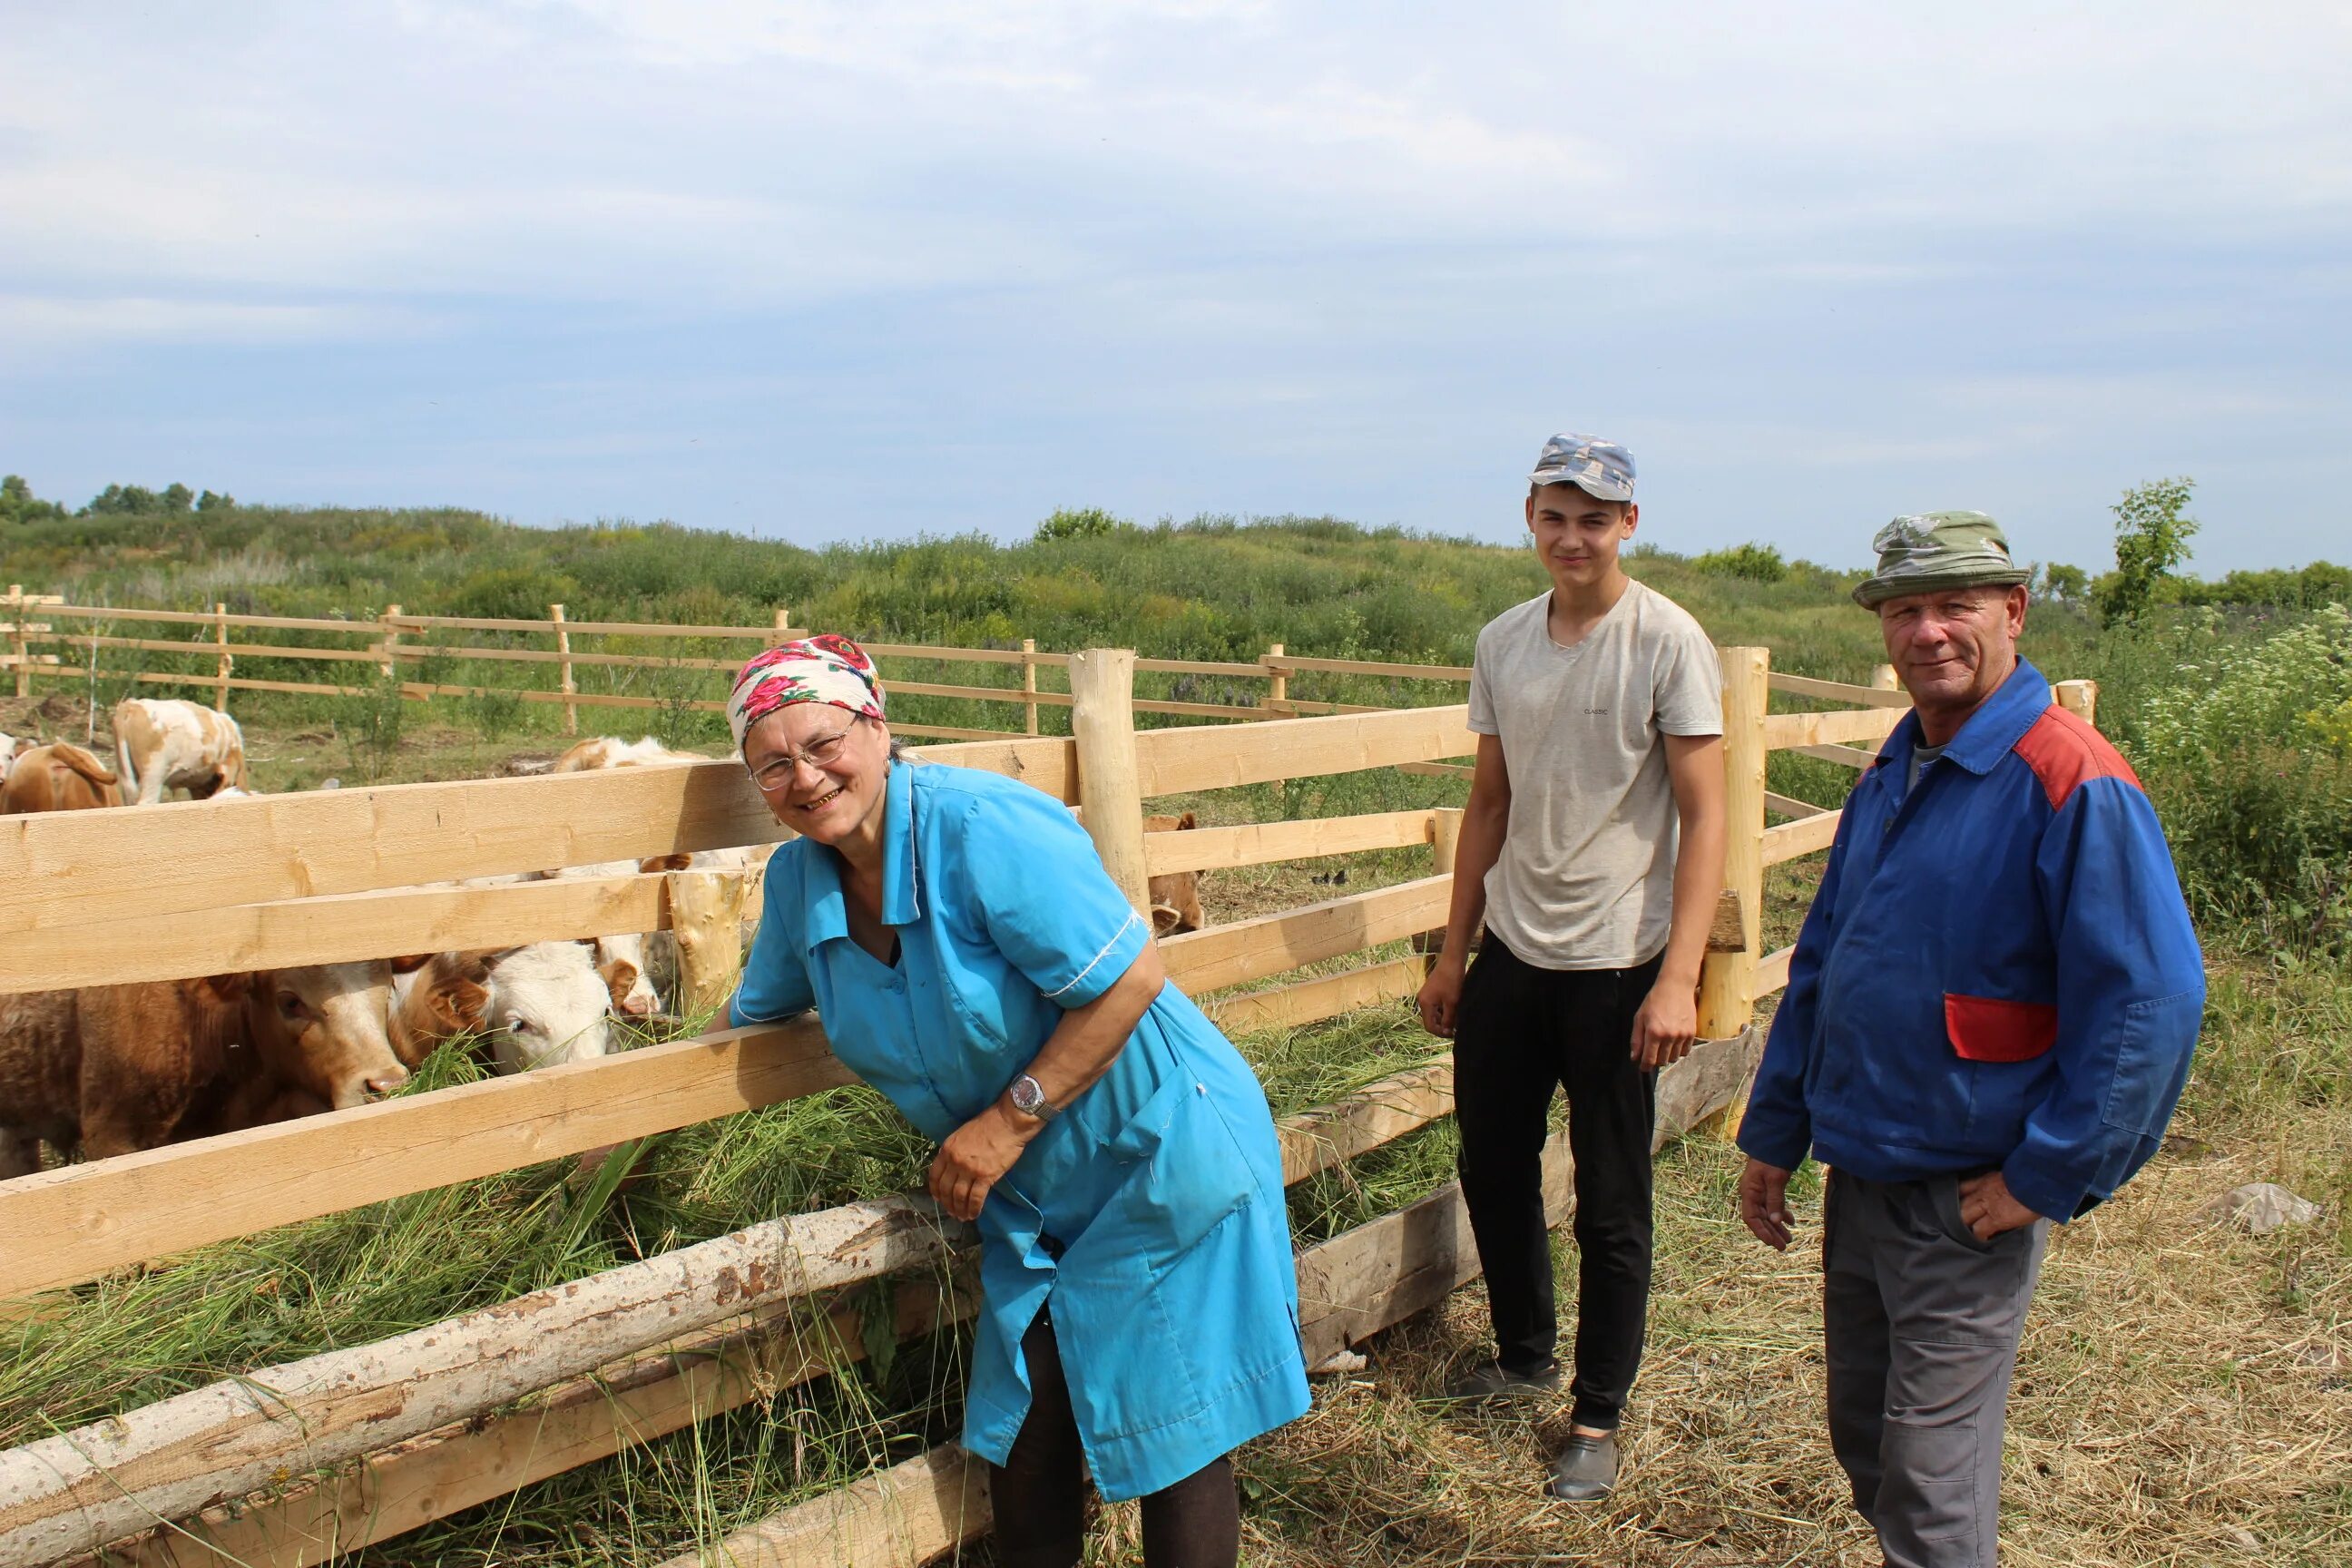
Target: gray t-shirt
x=1586, y=873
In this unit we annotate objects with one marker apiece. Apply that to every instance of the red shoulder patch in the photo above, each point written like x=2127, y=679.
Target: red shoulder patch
x=2066, y=753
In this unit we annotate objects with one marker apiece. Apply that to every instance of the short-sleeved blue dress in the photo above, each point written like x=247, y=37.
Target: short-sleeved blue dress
x=1150, y=1211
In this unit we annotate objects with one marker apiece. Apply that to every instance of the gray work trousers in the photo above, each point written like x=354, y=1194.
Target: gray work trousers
x=1921, y=1322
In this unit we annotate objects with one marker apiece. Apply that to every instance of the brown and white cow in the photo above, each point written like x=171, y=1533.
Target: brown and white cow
x=166, y=743
x=536, y=1006
x=59, y=776
x=108, y=1069
x=612, y=751
x=1175, y=895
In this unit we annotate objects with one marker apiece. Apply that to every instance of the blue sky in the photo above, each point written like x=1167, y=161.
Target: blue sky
x=843, y=271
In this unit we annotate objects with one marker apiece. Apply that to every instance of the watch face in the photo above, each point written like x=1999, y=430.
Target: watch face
x=1026, y=1096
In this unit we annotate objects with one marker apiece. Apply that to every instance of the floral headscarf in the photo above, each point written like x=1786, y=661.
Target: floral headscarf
x=830, y=669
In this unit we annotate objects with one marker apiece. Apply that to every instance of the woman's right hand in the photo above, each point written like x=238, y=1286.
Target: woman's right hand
x=1440, y=1001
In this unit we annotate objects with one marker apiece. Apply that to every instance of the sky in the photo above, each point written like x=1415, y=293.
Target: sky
x=867, y=270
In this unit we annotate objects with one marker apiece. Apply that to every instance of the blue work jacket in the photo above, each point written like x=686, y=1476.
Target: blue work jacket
x=1998, y=970
x=1151, y=1210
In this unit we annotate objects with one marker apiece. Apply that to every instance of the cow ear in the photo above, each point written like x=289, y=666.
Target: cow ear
x=409, y=964
x=666, y=863
x=460, y=1006
x=620, y=979
x=228, y=989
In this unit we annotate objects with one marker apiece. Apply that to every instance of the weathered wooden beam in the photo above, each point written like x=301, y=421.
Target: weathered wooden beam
x=1173, y=761
x=1263, y=843
x=1844, y=756
x=1789, y=805
x=1783, y=731
x=1305, y=1000
x=1840, y=691
x=1249, y=950
x=1803, y=836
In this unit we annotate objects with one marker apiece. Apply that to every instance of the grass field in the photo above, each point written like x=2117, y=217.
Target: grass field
x=2186, y=1391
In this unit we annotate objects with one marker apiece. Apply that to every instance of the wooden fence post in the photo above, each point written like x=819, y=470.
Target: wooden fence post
x=1278, y=681
x=2080, y=697
x=1444, y=842
x=1727, y=997
x=16, y=614
x=391, y=640
x=1029, y=680
x=566, y=685
x=1882, y=678
x=1110, y=789
x=782, y=633
x=706, y=915
x=220, y=641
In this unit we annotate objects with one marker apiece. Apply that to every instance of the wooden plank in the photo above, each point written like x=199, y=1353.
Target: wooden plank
x=1704, y=1084
x=1772, y=970
x=1263, y=842
x=1844, y=756
x=79, y=1221
x=980, y=693
x=960, y=655
x=181, y=618
x=258, y=650
x=75, y=868
x=908, y=1514
x=1175, y=762
x=331, y=931
x=240, y=683
x=1248, y=950
x=1200, y=666
x=1789, y=805
x=1440, y=769
x=1367, y=1119
x=419, y=652
x=1370, y=667
x=576, y=1422
x=1783, y=731
x=77, y=1490
x=1203, y=710
x=1802, y=837
x=1310, y=1001
x=1840, y=691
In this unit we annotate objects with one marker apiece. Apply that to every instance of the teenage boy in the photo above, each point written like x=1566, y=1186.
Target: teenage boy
x=1599, y=711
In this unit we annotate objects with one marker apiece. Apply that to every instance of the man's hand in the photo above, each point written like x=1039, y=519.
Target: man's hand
x=1987, y=1208
x=1764, y=1204
x=1666, y=1024
x=975, y=1156
x=1440, y=997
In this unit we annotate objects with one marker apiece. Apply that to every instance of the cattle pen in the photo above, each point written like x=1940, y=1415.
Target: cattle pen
x=302, y=1462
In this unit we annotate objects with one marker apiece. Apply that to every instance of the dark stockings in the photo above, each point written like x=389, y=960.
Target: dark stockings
x=1039, y=1495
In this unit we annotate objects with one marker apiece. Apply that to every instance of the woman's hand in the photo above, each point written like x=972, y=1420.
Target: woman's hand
x=974, y=1158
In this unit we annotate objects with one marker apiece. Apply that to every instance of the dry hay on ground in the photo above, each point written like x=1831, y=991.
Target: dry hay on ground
x=2184, y=1396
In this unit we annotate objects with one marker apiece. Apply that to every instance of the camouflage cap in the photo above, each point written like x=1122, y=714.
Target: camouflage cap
x=1599, y=468
x=1932, y=550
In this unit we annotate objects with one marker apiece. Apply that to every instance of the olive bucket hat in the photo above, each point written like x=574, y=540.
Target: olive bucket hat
x=1932, y=550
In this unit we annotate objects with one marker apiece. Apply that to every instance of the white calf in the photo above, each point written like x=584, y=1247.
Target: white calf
x=535, y=1006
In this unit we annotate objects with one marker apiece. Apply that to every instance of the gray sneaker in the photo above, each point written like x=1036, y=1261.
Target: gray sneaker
x=1586, y=1470
x=1490, y=1382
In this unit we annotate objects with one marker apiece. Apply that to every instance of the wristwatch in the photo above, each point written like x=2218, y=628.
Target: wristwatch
x=1029, y=1099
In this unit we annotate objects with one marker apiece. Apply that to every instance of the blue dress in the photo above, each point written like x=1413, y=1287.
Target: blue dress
x=1150, y=1211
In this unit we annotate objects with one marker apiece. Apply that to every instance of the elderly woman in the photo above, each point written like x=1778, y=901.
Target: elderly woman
x=972, y=960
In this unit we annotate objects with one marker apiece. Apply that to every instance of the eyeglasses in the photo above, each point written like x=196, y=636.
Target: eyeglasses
x=778, y=773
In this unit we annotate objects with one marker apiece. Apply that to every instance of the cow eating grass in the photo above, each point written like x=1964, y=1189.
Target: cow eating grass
x=536, y=1006
x=111, y=1069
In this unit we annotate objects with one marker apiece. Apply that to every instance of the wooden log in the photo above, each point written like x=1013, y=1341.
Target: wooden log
x=1445, y=844
x=1102, y=683
x=1704, y=1084
x=907, y=1514
x=1263, y=843
x=76, y=1492
x=2080, y=697
x=16, y=639
x=1176, y=762
x=77, y=1222
x=1247, y=949
x=705, y=912
x=1784, y=730
x=1883, y=679
x=1725, y=1004
x=1840, y=691
x=1309, y=1000
x=577, y=1421
x=388, y=649
x=1844, y=756
x=1803, y=836
x=226, y=663
x=1029, y=684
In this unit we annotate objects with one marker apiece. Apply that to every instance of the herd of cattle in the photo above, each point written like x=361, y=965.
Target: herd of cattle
x=111, y=1069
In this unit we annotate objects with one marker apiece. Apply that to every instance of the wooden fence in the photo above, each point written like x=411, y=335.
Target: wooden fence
x=394, y=641
x=296, y=1464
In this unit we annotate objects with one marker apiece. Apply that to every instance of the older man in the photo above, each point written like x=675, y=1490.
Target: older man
x=1989, y=1020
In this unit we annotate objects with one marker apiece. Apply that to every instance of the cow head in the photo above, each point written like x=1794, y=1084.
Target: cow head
x=534, y=1005
x=1175, y=895
x=322, y=1028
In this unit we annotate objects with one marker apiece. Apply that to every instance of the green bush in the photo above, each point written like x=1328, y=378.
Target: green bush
x=1081, y=522
x=1754, y=562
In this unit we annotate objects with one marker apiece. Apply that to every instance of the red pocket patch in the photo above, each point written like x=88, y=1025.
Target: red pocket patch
x=1987, y=1029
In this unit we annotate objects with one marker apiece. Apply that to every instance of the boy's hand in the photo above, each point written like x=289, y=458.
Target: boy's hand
x=1666, y=1024
x=1440, y=1001
x=1764, y=1204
